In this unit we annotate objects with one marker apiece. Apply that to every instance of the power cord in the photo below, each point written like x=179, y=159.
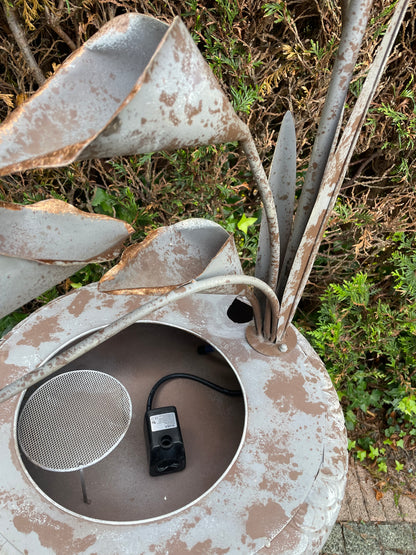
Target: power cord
x=175, y=375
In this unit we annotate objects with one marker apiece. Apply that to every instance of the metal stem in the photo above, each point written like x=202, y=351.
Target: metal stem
x=272, y=223
x=127, y=320
x=268, y=206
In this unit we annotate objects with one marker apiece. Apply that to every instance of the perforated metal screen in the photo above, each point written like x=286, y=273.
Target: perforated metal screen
x=74, y=420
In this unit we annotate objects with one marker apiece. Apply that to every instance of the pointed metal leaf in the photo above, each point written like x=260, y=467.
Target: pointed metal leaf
x=334, y=176
x=355, y=17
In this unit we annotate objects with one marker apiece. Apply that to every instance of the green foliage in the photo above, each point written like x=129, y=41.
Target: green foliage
x=244, y=96
x=11, y=320
x=278, y=9
x=88, y=274
x=367, y=338
x=404, y=259
x=122, y=204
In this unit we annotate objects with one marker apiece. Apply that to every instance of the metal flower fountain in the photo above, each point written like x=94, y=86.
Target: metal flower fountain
x=265, y=470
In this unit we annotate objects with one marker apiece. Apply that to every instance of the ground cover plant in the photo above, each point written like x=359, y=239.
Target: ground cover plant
x=359, y=308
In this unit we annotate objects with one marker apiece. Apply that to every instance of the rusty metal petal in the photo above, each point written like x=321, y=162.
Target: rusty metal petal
x=44, y=243
x=172, y=256
x=136, y=86
x=52, y=231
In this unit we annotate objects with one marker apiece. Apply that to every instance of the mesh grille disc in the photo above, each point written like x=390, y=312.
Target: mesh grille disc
x=74, y=420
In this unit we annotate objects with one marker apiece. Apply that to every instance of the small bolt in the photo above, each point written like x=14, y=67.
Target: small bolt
x=283, y=347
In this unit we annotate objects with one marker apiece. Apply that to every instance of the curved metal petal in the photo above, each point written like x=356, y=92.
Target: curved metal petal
x=54, y=231
x=172, y=256
x=44, y=243
x=136, y=86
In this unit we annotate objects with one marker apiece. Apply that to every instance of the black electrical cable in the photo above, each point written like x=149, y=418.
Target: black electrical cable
x=231, y=392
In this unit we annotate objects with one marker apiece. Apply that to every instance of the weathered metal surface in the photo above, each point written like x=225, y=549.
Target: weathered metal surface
x=273, y=248
x=54, y=231
x=354, y=23
x=44, y=243
x=171, y=256
x=282, y=180
x=333, y=178
x=280, y=494
x=283, y=489
x=136, y=86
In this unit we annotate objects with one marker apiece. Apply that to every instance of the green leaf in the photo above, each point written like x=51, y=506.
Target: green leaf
x=399, y=466
x=245, y=223
x=382, y=466
x=361, y=454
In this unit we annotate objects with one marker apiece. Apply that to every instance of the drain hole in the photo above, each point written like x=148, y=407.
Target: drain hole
x=240, y=311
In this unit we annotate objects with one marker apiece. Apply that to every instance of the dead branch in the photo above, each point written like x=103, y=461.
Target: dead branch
x=21, y=41
x=53, y=23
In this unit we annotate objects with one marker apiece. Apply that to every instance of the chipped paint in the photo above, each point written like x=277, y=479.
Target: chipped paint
x=282, y=491
x=169, y=257
x=152, y=66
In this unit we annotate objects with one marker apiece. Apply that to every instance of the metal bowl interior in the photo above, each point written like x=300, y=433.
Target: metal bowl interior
x=119, y=486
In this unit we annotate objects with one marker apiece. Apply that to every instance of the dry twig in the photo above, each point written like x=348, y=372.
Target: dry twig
x=20, y=38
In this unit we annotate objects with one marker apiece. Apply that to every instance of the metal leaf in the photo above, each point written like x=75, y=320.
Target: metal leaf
x=172, y=256
x=44, y=243
x=334, y=176
x=355, y=17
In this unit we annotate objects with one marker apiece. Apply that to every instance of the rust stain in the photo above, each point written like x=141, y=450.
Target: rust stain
x=168, y=99
x=7, y=369
x=42, y=331
x=259, y=519
x=192, y=111
x=7, y=409
x=79, y=302
x=289, y=395
x=10, y=205
x=174, y=119
x=293, y=475
x=178, y=547
x=52, y=534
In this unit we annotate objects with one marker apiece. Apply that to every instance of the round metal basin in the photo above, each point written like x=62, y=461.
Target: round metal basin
x=265, y=472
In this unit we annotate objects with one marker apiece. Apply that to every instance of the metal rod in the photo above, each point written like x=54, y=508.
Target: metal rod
x=127, y=320
x=268, y=206
x=84, y=487
x=272, y=223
